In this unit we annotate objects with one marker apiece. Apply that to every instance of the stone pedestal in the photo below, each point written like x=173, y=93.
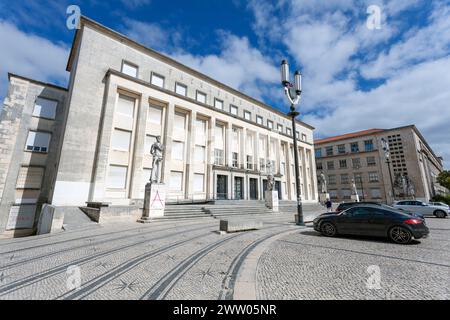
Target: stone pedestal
x=272, y=200
x=50, y=220
x=154, y=201
x=323, y=197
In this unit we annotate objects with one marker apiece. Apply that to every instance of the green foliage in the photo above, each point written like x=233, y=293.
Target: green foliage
x=444, y=179
x=439, y=198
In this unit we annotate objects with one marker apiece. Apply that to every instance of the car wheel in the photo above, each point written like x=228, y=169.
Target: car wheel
x=328, y=229
x=400, y=235
x=439, y=214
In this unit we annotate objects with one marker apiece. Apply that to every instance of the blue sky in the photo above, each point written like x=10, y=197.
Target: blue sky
x=355, y=77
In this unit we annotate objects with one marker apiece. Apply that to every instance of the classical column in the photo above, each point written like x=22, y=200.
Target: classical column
x=210, y=158
x=190, y=145
x=167, y=141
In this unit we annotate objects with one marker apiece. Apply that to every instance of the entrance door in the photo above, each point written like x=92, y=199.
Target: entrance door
x=238, y=188
x=222, y=187
x=264, y=189
x=278, y=188
x=253, y=189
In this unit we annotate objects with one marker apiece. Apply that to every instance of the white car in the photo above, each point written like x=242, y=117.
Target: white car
x=423, y=208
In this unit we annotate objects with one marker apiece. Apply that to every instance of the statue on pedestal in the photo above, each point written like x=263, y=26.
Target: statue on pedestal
x=270, y=178
x=323, y=183
x=157, y=152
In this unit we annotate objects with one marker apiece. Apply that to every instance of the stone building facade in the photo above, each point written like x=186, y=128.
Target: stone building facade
x=360, y=157
x=121, y=96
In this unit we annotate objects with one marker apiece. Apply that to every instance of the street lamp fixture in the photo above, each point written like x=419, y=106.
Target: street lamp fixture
x=387, y=155
x=293, y=92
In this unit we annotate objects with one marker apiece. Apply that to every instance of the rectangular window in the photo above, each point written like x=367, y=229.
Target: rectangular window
x=330, y=165
x=117, y=177
x=343, y=164
x=130, y=69
x=199, y=182
x=332, y=179
x=259, y=120
x=121, y=140
x=38, y=141
x=176, y=181
x=178, y=150
x=234, y=160
x=262, y=164
x=234, y=110
x=356, y=163
x=155, y=114
x=30, y=178
x=304, y=137
x=219, y=141
x=280, y=128
x=218, y=104
x=371, y=161
x=249, y=163
x=45, y=108
x=201, y=97
x=368, y=145
x=157, y=80
x=179, y=121
x=319, y=166
x=218, y=157
x=125, y=106
x=344, y=179
x=373, y=177
x=247, y=115
x=181, y=89
x=270, y=124
x=283, y=168
x=200, y=154
x=318, y=153
x=329, y=151
x=354, y=147
x=297, y=135
x=341, y=148
x=289, y=131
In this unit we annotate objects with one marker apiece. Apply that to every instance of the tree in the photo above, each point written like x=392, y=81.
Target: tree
x=444, y=179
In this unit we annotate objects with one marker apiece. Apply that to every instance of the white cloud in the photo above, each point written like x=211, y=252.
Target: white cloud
x=133, y=4
x=330, y=41
x=31, y=56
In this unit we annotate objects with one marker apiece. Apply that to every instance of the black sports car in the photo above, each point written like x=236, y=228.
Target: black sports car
x=372, y=220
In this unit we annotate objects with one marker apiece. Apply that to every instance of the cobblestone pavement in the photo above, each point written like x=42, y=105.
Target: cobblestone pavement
x=191, y=260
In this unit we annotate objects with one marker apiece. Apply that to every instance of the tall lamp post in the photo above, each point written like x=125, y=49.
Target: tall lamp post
x=387, y=155
x=293, y=92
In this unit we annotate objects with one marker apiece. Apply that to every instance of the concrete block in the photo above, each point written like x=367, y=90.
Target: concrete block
x=50, y=220
x=235, y=225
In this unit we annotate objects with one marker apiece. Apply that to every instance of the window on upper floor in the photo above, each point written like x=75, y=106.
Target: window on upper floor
x=130, y=69
x=318, y=153
x=247, y=115
x=368, y=145
x=38, y=141
x=45, y=108
x=218, y=104
x=354, y=147
x=319, y=166
x=289, y=131
x=270, y=124
x=233, y=110
x=341, y=148
x=157, y=80
x=259, y=120
x=280, y=128
x=330, y=165
x=343, y=164
x=329, y=151
x=200, y=97
x=373, y=176
x=121, y=140
x=371, y=161
x=181, y=89
x=356, y=163
x=304, y=138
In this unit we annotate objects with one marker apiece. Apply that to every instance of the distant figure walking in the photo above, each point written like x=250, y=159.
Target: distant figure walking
x=329, y=205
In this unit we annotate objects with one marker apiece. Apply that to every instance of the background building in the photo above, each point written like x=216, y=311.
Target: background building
x=360, y=156
x=91, y=142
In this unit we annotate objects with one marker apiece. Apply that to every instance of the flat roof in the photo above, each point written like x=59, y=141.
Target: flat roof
x=348, y=136
x=36, y=81
x=85, y=20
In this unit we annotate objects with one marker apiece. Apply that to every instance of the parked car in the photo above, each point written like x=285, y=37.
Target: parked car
x=345, y=205
x=423, y=208
x=372, y=220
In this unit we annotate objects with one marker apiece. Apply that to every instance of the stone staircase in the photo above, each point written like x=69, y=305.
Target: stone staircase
x=236, y=208
x=184, y=211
